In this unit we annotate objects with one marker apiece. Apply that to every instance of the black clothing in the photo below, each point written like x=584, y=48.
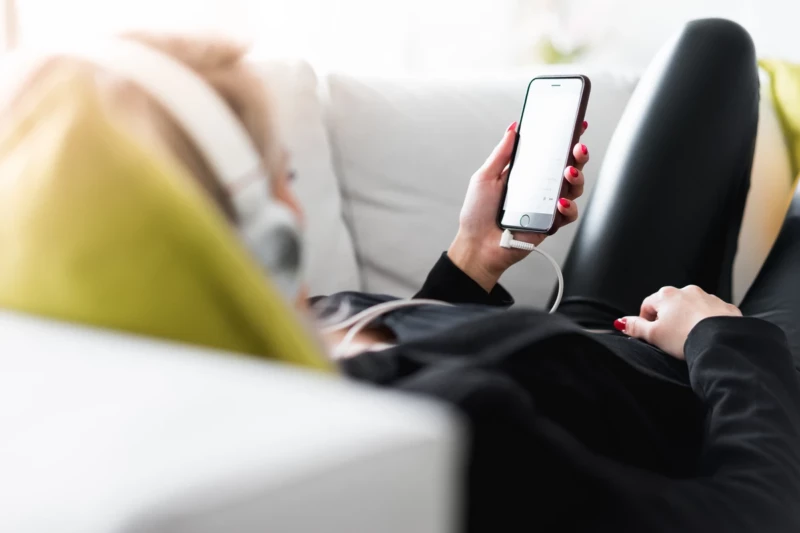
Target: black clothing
x=667, y=207
x=775, y=294
x=574, y=431
x=569, y=434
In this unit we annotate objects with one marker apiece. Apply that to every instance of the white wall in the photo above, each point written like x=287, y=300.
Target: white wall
x=638, y=27
x=775, y=26
x=428, y=36
x=496, y=34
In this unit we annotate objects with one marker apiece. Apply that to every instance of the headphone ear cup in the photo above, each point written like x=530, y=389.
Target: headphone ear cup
x=273, y=237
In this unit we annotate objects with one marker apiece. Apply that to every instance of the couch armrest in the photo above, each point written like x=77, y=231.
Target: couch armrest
x=105, y=432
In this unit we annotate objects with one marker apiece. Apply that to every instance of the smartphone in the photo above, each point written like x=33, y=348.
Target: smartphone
x=550, y=126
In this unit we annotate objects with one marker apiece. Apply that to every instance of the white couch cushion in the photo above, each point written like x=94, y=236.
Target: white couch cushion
x=330, y=259
x=768, y=200
x=404, y=151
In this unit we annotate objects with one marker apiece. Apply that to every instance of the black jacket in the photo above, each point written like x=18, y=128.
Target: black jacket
x=558, y=416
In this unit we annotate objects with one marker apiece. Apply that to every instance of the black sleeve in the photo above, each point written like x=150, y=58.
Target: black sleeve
x=448, y=283
x=749, y=479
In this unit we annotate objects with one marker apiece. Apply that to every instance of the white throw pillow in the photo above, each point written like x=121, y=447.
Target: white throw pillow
x=330, y=263
x=768, y=200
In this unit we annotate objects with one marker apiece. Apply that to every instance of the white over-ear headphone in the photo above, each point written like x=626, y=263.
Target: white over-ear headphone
x=267, y=226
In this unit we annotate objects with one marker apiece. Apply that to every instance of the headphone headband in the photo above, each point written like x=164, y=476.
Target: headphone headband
x=218, y=133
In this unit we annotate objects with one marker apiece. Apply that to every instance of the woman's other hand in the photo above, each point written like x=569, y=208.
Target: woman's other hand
x=476, y=249
x=668, y=316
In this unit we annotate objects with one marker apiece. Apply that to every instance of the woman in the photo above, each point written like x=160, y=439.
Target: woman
x=692, y=428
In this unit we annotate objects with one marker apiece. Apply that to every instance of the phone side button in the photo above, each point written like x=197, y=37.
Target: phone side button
x=524, y=221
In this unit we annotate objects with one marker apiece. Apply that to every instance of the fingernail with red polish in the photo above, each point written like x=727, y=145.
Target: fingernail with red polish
x=512, y=127
x=564, y=202
x=573, y=171
x=584, y=149
x=620, y=324
x=585, y=124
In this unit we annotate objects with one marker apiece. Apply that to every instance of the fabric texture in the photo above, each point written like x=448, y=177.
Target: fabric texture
x=99, y=228
x=448, y=283
x=785, y=88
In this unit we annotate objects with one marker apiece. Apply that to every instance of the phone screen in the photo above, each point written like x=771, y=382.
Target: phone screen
x=544, y=146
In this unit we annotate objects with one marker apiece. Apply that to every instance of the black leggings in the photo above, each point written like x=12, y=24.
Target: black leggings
x=668, y=205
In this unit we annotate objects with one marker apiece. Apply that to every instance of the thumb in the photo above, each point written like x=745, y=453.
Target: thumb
x=635, y=326
x=501, y=155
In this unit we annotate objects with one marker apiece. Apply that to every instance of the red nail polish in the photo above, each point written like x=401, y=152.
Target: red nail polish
x=620, y=324
x=584, y=149
x=585, y=124
x=512, y=127
x=573, y=171
x=564, y=202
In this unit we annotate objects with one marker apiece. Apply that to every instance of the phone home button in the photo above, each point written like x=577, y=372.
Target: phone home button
x=524, y=221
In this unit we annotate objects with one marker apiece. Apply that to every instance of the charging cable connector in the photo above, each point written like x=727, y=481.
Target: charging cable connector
x=507, y=241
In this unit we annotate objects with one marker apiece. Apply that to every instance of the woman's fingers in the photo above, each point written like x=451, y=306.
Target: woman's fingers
x=650, y=305
x=574, y=174
x=568, y=210
x=501, y=155
x=581, y=154
x=636, y=327
x=575, y=179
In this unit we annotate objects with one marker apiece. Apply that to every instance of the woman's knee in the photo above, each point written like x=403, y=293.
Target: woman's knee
x=728, y=42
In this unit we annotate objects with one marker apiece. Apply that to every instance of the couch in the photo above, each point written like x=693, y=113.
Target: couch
x=105, y=432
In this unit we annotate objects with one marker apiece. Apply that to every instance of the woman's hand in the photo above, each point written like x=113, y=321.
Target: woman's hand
x=476, y=249
x=667, y=317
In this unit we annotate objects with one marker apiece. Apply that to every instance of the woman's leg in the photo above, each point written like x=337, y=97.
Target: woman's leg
x=775, y=294
x=667, y=207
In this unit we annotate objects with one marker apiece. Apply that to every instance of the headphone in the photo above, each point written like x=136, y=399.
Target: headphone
x=268, y=227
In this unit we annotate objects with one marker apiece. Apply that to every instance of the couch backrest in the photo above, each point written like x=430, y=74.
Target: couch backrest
x=330, y=262
x=404, y=150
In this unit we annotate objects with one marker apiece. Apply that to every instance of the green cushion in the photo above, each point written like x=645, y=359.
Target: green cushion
x=785, y=89
x=98, y=227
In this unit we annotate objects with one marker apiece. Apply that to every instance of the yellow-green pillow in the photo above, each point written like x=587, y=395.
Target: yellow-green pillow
x=785, y=89
x=99, y=229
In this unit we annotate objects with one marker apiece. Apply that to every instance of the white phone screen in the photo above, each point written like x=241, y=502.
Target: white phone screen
x=543, y=149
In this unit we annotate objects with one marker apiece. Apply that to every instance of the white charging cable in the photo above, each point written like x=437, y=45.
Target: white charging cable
x=507, y=241
x=359, y=321
x=371, y=313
